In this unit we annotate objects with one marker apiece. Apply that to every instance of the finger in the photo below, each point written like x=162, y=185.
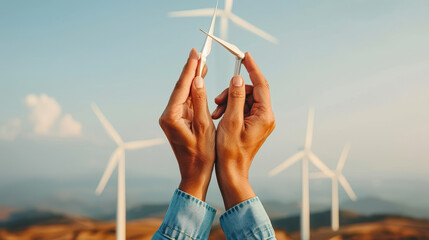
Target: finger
x=204, y=72
x=202, y=117
x=236, y=98
x=219, y=111
x=223, y=96
x=205, y=69
x=183, y=85
x=261, y=91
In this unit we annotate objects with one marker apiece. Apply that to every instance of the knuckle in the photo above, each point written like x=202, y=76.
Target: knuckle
x=200, y=96
x=269, y=120
x=266, y=84
x=237, y=93
x=165, y=120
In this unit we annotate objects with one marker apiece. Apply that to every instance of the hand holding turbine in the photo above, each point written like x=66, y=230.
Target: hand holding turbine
x=190, y=130
x=246, y=124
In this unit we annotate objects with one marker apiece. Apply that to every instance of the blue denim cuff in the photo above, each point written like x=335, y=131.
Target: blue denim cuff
x=247, y=220
x=187, y=218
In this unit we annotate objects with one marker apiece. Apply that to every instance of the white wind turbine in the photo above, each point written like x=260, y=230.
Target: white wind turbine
x=225, y=14
x=336, y=177
x=305, y=155
x=118, y=158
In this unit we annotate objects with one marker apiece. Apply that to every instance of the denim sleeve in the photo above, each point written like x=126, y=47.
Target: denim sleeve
x=187, y=218
x=247, y=220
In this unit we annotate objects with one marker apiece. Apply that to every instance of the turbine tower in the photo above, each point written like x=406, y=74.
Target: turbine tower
x=118, y=158
x=225, y=15
x=304, y=156
x=335, y=178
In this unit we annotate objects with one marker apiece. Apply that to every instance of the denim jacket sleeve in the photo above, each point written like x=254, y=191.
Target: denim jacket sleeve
x=187, y=218
x=247, y=220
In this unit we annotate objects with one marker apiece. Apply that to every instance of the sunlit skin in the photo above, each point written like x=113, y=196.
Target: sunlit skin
x=247, y=120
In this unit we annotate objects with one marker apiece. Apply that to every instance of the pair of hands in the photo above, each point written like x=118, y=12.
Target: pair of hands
x=247, y=121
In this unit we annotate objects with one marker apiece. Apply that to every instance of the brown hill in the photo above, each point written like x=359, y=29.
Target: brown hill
x=388, y=227
x=392, y=228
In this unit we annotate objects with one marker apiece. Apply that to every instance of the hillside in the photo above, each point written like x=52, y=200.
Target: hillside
x=45, y=225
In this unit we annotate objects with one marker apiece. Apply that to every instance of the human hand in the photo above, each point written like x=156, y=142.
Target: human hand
x=247, y=122
x=187, y=123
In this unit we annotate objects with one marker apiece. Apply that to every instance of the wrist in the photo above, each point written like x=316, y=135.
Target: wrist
x=234, y=186
x=195, y=186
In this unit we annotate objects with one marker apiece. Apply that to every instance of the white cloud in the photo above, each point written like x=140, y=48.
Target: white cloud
x=69, y=127
x=44, y=112
x=11, y=129
x=45, y=118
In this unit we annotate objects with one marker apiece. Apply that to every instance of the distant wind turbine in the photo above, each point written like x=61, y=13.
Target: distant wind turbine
x=304, y=156
x=225, y=14
x=118, y=158
x=337, y=177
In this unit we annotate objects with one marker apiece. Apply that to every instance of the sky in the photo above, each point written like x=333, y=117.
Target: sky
x=363, y=66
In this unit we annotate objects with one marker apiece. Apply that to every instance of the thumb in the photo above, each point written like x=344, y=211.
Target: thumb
x=202, y=118
x=236, y=99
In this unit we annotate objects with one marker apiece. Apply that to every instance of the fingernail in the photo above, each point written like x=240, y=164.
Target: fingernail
x=193, y=54
x=237, y=81
x=199, y=82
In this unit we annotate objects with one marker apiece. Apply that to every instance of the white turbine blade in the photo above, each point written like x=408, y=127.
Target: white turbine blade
x=208, y=43
x=230, y=47
x=315, y=175
x=295, y=158
x=224, y=26
x=108, y=172
x=192, y=13
x=228, y=5
x=242, y=23
x=320, y=165
x=343, y=157
x=143, y=144
x=310, y=126
x=347, y=187
x=107, y=126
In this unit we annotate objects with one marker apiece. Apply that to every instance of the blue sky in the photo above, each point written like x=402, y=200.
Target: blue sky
x=363, y=65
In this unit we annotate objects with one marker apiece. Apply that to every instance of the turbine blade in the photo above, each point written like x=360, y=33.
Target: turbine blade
x=107, y=126
x=310, y=126
x=192, y=13
x=347, y=187
x=315, y=175
x=113, y=161
x=319, y=164
x=230, y=47
x=143, y=144
x=224, y=27
x=343, y=157
x=208, y=43
x=251, y=28
x=228, y=5
x=207, y=47
x=295, y=158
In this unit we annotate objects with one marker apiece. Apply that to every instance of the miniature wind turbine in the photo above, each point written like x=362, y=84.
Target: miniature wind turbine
x=207, y=44
x=118, y=158
x=335, y=178
x=304, y=155
x=225, y=14
x=239, y=55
